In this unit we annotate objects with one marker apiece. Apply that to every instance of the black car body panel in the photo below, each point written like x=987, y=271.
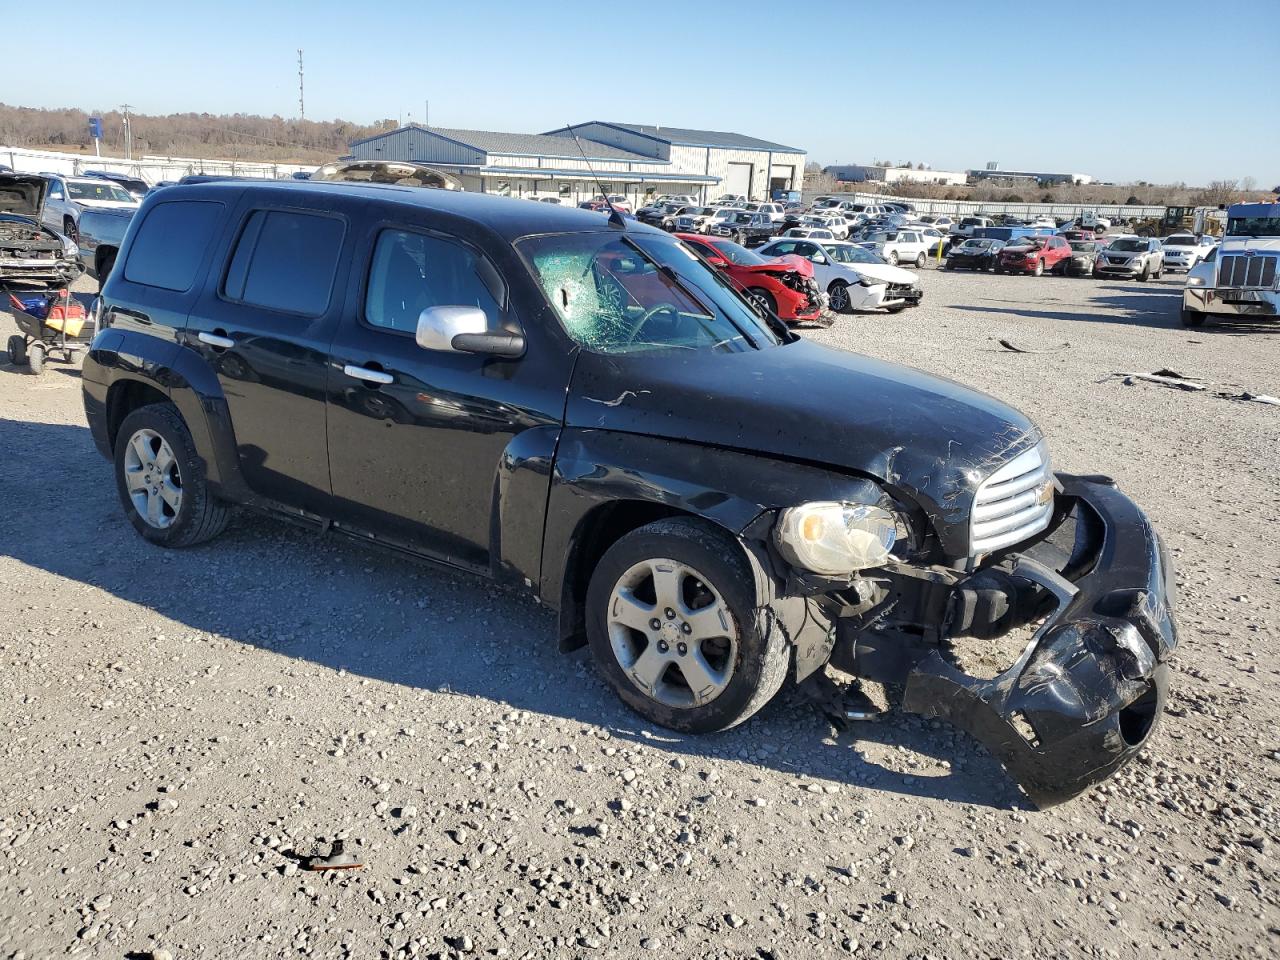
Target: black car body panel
x=517, y=467
x=929, y=439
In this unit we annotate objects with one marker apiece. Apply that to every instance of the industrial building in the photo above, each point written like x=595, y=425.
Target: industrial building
x=862, y=173
x=1027, y=176
x=635, y=160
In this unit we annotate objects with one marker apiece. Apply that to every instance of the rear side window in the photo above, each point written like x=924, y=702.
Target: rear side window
x=413, y=271
x=285, y=260
x=171, y=243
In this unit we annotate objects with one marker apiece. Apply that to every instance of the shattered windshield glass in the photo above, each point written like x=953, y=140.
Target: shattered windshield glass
x=616, y=294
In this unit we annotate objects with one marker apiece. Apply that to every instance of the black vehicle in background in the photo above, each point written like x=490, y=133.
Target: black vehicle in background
x=582, y=409
x=976, y=253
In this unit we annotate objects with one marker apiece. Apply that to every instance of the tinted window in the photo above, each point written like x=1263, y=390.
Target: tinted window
x=413, y=271
x=285, y=261
x=171, y=243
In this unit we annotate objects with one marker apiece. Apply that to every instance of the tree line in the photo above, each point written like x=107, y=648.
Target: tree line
x=236, y=136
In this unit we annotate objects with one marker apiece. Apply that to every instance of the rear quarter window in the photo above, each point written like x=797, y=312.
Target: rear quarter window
x=285, y=260
x=171, y=243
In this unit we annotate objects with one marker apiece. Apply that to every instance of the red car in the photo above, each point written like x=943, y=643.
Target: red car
x=783, y=285
x=1035, y=255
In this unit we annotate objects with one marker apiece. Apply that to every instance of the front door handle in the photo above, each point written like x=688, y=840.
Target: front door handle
x=367, y=375
x=213, y=340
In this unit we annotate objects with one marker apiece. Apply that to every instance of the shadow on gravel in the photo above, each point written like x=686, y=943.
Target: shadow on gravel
x=345, y=606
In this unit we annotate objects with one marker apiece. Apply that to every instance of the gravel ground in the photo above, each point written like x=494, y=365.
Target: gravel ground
x=179, y=727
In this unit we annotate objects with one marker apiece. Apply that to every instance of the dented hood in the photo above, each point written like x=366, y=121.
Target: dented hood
x=790, y=263
x=23, y=194
x=929, y=438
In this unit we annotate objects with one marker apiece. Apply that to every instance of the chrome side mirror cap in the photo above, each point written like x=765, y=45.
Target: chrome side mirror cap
x=465, y=330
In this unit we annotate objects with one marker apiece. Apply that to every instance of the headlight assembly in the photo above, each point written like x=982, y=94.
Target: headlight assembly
x=1195, y=281
x=833, y=538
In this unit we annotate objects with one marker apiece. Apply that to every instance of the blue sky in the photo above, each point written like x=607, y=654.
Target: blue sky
x=1123, y=91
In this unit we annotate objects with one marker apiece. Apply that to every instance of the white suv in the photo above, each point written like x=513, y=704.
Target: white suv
x=1182, y=251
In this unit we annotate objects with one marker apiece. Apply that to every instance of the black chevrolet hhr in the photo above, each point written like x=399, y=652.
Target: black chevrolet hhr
x=579, y=407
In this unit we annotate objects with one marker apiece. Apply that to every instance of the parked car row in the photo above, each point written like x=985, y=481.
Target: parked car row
x=1128, y=256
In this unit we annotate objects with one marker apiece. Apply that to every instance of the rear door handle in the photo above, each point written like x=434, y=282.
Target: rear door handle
x=213, y=340
x=367, y=375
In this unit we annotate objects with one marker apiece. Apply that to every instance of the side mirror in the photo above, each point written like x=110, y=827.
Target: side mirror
x=717, y=261
x=465, y=330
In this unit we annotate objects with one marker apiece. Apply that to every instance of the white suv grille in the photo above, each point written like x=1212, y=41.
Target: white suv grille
x=1014, y=503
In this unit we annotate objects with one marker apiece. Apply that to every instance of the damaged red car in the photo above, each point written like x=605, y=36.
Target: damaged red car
x=782, y=285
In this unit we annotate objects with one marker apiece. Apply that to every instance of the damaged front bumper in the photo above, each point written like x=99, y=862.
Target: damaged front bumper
x=1090, y=685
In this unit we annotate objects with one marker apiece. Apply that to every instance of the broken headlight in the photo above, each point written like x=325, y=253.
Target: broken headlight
x=833, y=538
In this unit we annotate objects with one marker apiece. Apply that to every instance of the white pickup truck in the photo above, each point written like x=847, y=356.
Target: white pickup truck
x=1244, y=282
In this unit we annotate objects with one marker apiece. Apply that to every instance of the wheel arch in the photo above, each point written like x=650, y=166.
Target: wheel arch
x=606, y=484
x=126, y=395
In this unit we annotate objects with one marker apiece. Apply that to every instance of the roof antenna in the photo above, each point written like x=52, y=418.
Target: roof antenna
x=615, y=218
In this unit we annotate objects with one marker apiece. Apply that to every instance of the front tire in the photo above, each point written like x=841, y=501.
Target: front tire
x=161, y=480
x=893, y=258
x=35, y=358
x=1145, y=275
x=1192, y=318
x=764, y=298
x=715, y=658
x=840, y=301
x=1039, y=270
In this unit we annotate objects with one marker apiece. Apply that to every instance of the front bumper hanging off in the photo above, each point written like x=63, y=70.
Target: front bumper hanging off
x=1088, y=688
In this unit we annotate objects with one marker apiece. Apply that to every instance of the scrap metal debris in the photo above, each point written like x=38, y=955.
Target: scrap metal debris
x=1017, y=349
x=336, y=860
x=1167, y=378
x=1255, y=397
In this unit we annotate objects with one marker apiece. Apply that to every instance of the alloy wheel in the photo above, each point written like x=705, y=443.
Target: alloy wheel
x=672, y=633
x=152, y=477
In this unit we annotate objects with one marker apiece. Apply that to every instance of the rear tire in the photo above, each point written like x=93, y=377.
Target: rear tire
x=154, y=443
x=17, y=350
x=1192, y=318
x=708, y=573
x=920, y=261
x=35, y=358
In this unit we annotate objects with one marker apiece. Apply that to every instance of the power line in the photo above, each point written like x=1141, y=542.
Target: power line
x=302, y=109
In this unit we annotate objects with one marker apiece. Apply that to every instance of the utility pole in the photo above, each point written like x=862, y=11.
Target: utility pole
x=128, y=132
x=302, y=109
x=426, y=113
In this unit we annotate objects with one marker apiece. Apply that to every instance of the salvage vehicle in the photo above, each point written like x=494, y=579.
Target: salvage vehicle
x=1245, y=282
x=30, y=252
x=853, y=278
x=136, y=187
x=102, y=232
x=816, y=233
x=1036, y=255
x=895, y=246
x=1182, y=251
x=747, y=228
x=585, y=411
x=940, y=222
x=784, y=286
x=968, y=226
x=694, y=219
x=1084, y=258
x=976, y=253
x=67, y=197
x=655, y=213
x=1138, y=257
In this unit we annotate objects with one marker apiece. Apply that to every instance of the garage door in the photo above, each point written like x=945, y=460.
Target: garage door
x=739, y=179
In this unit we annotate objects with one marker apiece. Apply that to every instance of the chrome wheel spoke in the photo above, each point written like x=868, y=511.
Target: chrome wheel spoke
x=164, y=458
x=141, y=443
x=666, y=584
x=707, y=622
x=648, y=668
x=704, y=680
x=170, y=494
x=630, y=611
x=155, y=510
x=135, y=481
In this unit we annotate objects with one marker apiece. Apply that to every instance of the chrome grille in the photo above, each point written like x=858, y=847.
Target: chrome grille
x=1014, y=503
x=1245, y=271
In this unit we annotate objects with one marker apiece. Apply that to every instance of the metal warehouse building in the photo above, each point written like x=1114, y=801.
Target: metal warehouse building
x=635, y=160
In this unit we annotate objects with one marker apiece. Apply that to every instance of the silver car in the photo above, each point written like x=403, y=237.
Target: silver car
x=1139, y=258
x=67, y=197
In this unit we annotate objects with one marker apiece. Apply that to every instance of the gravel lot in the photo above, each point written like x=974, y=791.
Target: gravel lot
x=179, y=726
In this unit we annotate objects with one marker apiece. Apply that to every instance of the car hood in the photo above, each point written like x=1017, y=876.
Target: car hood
x=884, y=271
x=22, y=194
x=789, y=262
x=930, y=439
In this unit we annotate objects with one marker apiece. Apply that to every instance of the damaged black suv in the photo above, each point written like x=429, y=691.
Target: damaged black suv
x=582, y=409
